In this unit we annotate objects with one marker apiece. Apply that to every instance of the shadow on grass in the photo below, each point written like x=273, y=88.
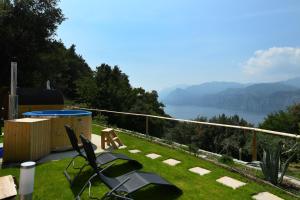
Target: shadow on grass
x=80, y=181
x=119, y=168
x=149, y=192
x=157, y=192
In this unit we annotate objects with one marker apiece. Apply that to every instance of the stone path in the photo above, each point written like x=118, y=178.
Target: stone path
x=266, y=196
x=153, y=155
x=134, y=151
x=199, y=170
x=230, y=182
x=227, y=181
x=172, y=162
x=202, y=156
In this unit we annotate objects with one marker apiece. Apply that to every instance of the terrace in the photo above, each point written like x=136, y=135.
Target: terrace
x=224, y=157
x=50, y=183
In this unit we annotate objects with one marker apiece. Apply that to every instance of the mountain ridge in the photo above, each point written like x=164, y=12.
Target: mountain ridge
x=255, y=97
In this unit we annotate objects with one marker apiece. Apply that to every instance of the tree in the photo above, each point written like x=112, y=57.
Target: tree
x=110, y=89
x=63, y=67
x=86, y=88
x=284, y=121
x=113, y=89
x=146, y=103
x=26, y=28
x=216, y=139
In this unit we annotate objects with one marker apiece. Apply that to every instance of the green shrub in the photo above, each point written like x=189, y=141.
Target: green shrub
x=225, y=159
x=272, y=164
x=101, y=119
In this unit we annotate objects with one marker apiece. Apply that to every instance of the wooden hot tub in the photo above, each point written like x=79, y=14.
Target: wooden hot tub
x=79, y=120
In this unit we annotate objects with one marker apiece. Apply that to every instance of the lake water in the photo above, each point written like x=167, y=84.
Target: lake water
x=191, y=112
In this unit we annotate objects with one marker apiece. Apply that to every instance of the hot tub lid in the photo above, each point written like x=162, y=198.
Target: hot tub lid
x=57, y=113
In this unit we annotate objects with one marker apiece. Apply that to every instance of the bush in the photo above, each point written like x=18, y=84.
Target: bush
x=225, y=159
x=272, y=164
x=101, y=119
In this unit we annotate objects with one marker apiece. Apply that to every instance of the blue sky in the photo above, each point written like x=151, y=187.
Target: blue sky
x=162, y=43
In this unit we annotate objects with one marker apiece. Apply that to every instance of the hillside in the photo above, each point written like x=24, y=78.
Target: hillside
x=190, y=95
x=259, y=97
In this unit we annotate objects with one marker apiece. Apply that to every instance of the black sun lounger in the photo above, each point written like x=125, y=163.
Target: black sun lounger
x=101, y=159
x=122, y=186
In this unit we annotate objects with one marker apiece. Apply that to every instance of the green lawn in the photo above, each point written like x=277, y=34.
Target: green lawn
x=294, y=170
x=51, y=183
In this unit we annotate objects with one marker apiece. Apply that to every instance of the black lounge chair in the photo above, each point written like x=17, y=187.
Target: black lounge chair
x=101, y=159
x=122, y=186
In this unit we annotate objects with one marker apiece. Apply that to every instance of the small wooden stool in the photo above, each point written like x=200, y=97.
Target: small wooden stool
x=7, y=187
x=109, y=137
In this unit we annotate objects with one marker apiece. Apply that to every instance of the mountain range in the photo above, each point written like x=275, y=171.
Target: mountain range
x=255, y=97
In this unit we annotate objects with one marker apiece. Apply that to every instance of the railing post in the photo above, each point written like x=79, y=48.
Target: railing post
x=254, y=147
x=240, y=153
x=147, y=126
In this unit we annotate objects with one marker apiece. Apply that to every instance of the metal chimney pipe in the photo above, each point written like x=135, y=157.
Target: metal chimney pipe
x=13, y=98
x=14, y=78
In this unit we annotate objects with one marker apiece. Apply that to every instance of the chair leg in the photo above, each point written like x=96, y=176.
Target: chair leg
x=88, y=182
x=66, y=170
x=78, y=174
x=114, y=194
x=80, y=170
x=72, y=161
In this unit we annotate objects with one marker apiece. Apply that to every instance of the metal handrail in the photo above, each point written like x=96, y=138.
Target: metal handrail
x=253, y=129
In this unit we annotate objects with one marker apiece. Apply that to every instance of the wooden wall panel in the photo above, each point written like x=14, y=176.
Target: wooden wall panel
x=59, y=138
x=26, y=139
x=36, y=137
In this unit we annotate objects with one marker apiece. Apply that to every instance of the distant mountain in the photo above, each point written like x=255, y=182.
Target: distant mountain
x=177, y=96
x=263, y=98
x=212, y=87
x=166, y=91
x=190, y=94
x=293, y=82
x=259, y=97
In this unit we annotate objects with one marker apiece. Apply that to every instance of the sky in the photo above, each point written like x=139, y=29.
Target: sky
x=163, y=43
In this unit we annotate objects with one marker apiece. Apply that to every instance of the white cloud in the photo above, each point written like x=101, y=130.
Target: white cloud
x=273, y=64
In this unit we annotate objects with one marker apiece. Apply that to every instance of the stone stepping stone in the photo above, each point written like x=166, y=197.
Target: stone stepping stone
x=171, y=162
x=230, y=182
x=266, y=196
x=153, y=155
x=292, y=180
x=202, y=156
x=134, y=151
x=199, y=170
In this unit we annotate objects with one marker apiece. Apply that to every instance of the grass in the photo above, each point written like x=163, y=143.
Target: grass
x=294, y=170
x=50, y=182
